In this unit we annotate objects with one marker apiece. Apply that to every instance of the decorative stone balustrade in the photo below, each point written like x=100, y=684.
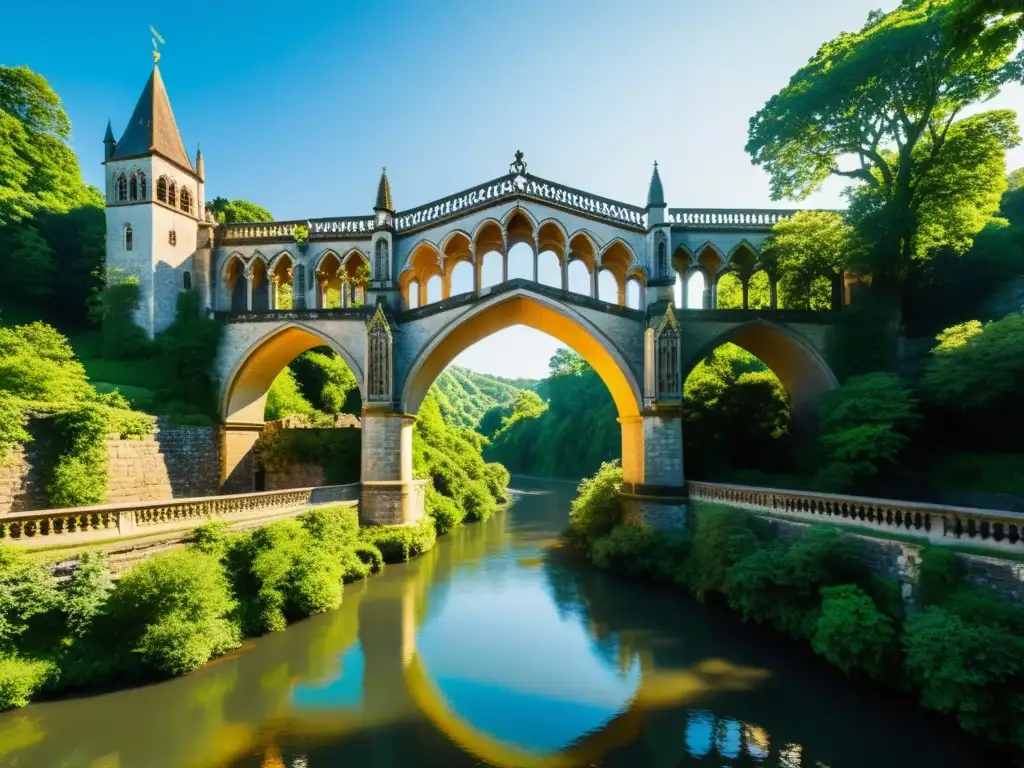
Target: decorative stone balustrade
x=755, y=219
x=234, y=233
x=987, y=528
x=74, y=525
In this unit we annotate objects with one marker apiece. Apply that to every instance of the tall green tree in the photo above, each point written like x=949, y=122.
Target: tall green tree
x=878, y=106
x=238, y=211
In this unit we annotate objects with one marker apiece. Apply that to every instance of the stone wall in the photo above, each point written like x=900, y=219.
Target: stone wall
x=898, y=561
x=173, y=462
x=295, y=476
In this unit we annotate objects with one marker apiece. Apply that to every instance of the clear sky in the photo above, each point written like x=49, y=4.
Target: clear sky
x=298, y=106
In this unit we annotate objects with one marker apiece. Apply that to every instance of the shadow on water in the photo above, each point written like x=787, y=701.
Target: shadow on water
x=499, y=647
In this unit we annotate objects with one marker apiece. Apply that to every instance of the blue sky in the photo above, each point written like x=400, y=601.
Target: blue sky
x=298, y=106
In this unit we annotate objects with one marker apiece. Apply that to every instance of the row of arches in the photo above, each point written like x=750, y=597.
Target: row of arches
x=520, y=247
x=256, y=284
x=133, y=187
x=710, y=279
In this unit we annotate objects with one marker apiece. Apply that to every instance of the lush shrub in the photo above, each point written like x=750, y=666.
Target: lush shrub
x=86, y=592
x=337, y=451
x=326, y=382
x=497, y=479
x=37, y=363
x=359, y=561
x=640, y=551
x=13, y=421
x=20, y=678
x=722, y=536
x=283, y=574
x=865, y=428
x=188, y=349
x=284, y=398
x=596, y=509
x=852, y=633
x=477, y=501
x=974, y=672
x=399, y=543
x=446, y=513
x=938, y=576
x=28, y=591
x=173, y=612
x=122, y=338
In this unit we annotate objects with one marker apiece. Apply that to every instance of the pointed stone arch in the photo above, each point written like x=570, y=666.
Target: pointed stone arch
x=353, y=251
x=801, y=368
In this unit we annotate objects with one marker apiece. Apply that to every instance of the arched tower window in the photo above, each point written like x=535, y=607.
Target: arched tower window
x=186, y=281
x=662, y=258
x=186, y=200
x=122, y=188
x=171, y=194
x=299, y=287
x=142, y=185
x=378, y=346
x=127, y=237
x=666, y=360
x=133, y=188
x=381, y=269
x=161, y=189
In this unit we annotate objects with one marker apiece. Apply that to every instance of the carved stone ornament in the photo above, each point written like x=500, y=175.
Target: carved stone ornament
x=378, y=363
x=666, y=357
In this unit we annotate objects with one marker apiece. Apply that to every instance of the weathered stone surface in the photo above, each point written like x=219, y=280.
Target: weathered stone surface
x=295, y=476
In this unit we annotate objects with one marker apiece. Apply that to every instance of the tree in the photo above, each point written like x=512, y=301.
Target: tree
x=565, y=362
x=238, y=211
x=866, y=102
x=27, y=260
x=809, y=246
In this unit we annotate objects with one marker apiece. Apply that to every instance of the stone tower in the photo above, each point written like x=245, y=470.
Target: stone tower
x=382, y=247
x=154, y=203
x=660, y=275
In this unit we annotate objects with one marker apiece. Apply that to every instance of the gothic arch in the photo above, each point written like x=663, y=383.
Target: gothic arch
x=353, y=252
x=743, y=244
x=612, y=245
x=522, y=307
x=244, y=391
x=492, y=244
x=284, y=254
x=452, y=236
x=422, y=246
x=519, y=210
x=547, y=243
x=325, y=253
x=802, y=370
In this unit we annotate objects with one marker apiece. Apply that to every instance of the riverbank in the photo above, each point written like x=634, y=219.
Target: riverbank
x=957, y=648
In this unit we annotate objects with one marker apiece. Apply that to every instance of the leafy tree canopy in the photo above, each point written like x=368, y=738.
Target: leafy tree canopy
x=866, y=101
x=238, y=211
x=810, y=245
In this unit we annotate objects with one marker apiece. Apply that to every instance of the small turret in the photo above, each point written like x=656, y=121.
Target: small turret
x=655, y=199
x=200, y=166
x=109, y=143
x=384, y=207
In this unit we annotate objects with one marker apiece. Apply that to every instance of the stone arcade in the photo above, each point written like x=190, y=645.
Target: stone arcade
x=359, y=284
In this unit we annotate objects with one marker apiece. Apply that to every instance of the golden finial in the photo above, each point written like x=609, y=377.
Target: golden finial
x=156, y=39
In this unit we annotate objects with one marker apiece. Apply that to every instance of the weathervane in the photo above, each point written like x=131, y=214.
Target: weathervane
x=156, y=39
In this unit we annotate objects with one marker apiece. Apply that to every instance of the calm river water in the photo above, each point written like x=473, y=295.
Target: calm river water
x=497, y=648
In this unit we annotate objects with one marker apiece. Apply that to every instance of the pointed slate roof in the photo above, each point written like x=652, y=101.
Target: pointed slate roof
x=384, y=202
x=108, y=138
x=152, y=127
x=655, y=193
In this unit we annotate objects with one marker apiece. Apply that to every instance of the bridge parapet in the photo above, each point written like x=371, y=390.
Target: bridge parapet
x=987, y=528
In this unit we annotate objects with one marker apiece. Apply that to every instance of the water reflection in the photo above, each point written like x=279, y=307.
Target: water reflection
x=497, y=648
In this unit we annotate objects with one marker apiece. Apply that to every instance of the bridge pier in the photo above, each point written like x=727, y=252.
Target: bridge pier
x=389, y=495
x=653, y=489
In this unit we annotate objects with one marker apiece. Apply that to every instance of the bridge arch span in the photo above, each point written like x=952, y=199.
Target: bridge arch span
x=801, y=368
x=523, y=307
x=244, y=391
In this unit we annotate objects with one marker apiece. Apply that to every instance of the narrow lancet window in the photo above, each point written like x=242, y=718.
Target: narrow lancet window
x=142, y=185
x=133, y=188
x=662, y=259
x=122, y=188
x=378, y=371
x=161, y=189
x=171, y=197
x=186, y=200
x=666, y=357
x=127, y=237
x=381, y=269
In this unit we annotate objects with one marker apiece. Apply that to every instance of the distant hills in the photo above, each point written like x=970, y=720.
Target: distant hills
x=464, y=396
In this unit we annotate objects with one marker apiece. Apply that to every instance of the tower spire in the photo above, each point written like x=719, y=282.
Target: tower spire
x=655, y=192
x=108, y=142
x=384, y=202
x=152, y=128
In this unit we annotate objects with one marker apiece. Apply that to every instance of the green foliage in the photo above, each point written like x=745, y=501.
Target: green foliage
x=852, y=633
x=978, y=368
x=284, y=398
x=86, y=592
x=52, y=228
x=238, y=211
x=188, y=349
x=571, y=437
x=917, y=170
x=326, y=382
x=722, y=537
x=974, y=672
x=28, y=591
x=595, y=510
x=20, y=679
x=938, y=576
x=13, y=421
x=808, y=246
x=399, y=543
x=173, y=612
x=865, y=427
x=497, y=479
x=37, y=363
x=122, y=338
x=301, y=235
x=465, y=397
x=451, y=458
x=445, y=512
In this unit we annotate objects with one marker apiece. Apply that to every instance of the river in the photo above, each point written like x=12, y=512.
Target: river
x=497, y=648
